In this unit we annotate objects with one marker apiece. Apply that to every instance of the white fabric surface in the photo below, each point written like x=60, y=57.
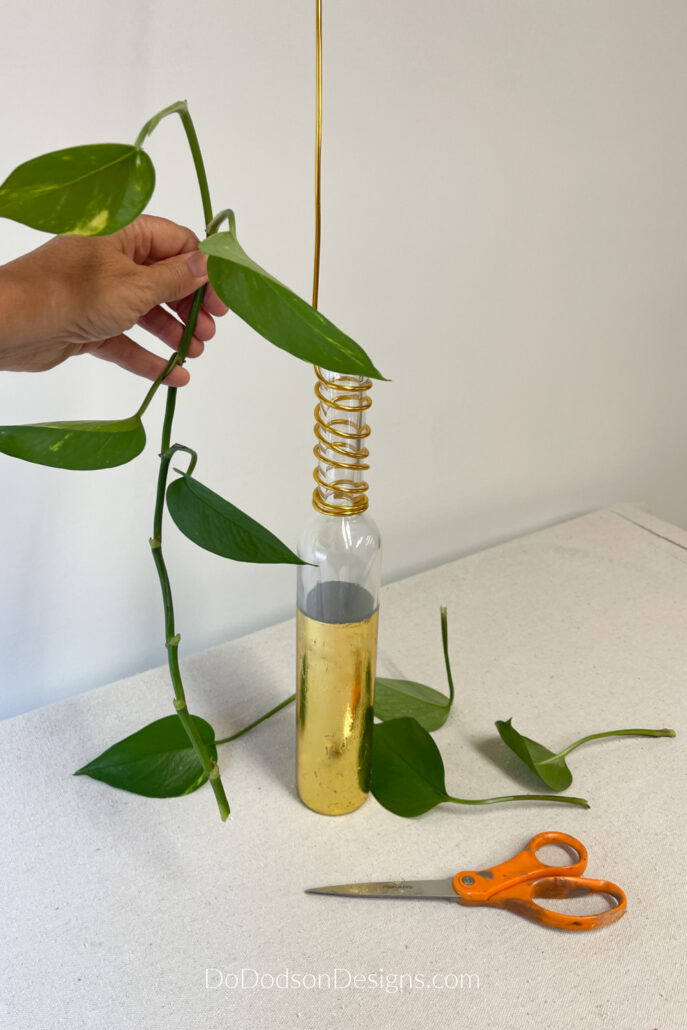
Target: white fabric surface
x=114, y=906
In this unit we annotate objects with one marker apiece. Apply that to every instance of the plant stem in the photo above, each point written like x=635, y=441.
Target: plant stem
x=225, y=215
x=444, y=641
x=252, y=725
x=172, y=638
x=153, y=122
x=608, y=733
x=521, y=797
x=180, y=356
x=188, y=450
x=173, y=361
x=201, y=175
x=181, y=108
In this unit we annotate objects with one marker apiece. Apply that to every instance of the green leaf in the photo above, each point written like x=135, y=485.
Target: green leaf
x=75, y=445
x=157, y=761
x=89, y=191
x=408, y=773
x=407, y=769
x=218, y=526
x=397, y=698
x=277, y=313
x=552, y=768
x=555, y=773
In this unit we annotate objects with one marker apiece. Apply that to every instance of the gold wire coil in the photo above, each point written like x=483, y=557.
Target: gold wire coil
x=338, y=439
x=338, y=444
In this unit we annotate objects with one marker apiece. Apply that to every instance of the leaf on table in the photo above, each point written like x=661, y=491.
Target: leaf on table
x=219, y=526
x=407, y=769
x=75, y=445
x=395, y=699
x=277, y=313
x=408, y=773
x=91, y=190
x=552, y=768
x=157, y=761
x=548, y=766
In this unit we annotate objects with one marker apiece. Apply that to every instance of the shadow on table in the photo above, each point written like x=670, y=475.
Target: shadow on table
x=493, y=749
x=272, y=743
x=233, y=690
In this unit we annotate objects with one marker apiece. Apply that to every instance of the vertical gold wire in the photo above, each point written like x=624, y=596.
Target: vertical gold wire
x=318, y=155
x=339, y=440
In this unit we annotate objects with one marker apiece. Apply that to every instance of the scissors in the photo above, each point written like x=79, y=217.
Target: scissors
x=513, y=885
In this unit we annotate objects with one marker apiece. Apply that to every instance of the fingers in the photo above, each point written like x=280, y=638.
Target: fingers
x=211, y=303
x=129, y=355
x=159, y=238
x=149, y=239
x=214, y=304
x=205, y=326
x=169, y=267
x=168, y=329
x=172, y=279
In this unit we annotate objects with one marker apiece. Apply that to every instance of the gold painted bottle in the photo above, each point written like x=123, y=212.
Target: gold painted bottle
x=338, y=601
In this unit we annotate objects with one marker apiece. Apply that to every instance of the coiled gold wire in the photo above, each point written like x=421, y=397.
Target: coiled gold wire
x=338, y=444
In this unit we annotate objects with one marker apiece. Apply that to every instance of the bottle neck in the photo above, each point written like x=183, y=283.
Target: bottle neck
x=341, y=430
x=344, y=551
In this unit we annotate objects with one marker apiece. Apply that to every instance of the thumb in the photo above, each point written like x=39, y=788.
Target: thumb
x=175, y=277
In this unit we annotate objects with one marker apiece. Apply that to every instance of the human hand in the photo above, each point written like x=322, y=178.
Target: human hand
x=78, y=295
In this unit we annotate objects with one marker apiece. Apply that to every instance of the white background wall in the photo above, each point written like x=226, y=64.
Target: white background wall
x=505, y=231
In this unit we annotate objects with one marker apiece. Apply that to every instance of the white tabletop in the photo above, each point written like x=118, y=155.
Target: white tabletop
x=114, y=906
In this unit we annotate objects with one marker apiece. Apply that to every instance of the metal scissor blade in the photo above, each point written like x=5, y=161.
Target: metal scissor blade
x=392, y=889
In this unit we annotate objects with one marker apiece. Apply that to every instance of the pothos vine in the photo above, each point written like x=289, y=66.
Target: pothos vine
x=94, y=190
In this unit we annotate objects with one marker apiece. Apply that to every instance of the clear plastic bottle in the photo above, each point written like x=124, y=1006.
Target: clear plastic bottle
x=338, y=602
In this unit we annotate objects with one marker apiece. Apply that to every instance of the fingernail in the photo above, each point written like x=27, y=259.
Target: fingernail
x=198, y=264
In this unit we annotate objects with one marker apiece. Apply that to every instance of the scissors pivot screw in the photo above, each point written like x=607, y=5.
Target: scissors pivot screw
x=467, y=880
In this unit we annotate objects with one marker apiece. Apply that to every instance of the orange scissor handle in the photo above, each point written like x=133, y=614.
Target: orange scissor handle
x=519, y=899
x=476, y=887
x=514, y=884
